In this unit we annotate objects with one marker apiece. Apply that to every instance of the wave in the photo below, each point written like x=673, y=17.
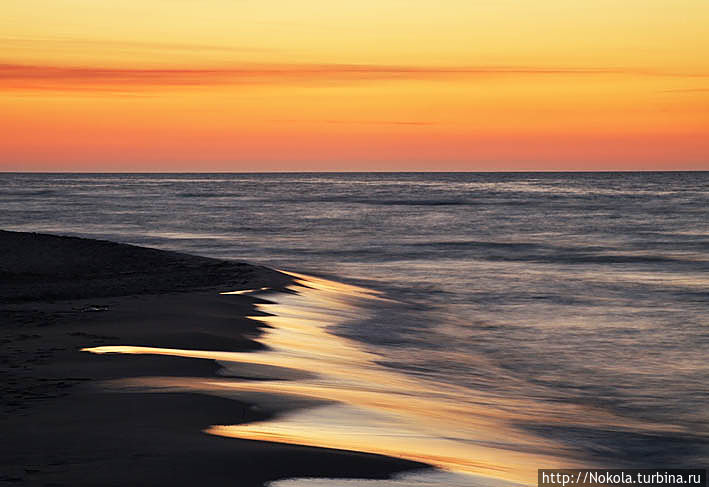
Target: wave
x=544, y=253
x=211, y=195
x=496, y=252
x=363, y=406
x=27, y=192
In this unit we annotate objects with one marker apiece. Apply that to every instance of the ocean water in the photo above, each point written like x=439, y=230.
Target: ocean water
x=562, y=318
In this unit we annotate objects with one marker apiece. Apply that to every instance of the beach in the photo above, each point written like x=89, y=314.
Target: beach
x=62, y=426
x=484, y=324
x=352, y=244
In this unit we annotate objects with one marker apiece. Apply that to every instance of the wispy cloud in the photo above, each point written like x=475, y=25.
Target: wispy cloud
x=362, y=122
x=68, y=43
x=687, y=90
x=61, y=78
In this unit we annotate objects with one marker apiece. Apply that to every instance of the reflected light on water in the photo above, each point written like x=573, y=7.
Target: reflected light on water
x=427, y=478
x=247, y=291
x=371, y=409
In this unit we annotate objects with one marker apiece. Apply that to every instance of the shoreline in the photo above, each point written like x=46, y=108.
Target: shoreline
x=326, y=391
x=60, y=426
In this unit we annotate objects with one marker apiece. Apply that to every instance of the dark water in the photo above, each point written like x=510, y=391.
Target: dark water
x=584, y=297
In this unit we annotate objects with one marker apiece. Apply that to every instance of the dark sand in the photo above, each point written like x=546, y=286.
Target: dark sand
x=60, y=426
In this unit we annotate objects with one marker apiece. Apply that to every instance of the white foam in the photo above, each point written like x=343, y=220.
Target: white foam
x=423, y=478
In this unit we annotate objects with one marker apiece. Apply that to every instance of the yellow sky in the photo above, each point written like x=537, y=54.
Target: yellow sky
x=605, y=33
x=450, y=70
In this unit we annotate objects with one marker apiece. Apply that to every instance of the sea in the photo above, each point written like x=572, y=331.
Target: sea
x=522, y=320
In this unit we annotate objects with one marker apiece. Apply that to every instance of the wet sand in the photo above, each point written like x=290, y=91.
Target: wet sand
x=60, y=424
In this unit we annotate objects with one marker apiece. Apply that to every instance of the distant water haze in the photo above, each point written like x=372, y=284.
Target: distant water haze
x=566, y=312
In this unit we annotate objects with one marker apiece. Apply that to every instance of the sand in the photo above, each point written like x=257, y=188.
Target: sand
x=61, y=425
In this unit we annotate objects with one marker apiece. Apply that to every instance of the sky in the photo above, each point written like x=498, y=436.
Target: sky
x=366, y=85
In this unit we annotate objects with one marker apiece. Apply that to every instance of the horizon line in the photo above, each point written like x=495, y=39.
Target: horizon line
x=371, y=172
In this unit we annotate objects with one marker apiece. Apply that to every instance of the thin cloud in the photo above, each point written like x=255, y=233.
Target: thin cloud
x=361, y=122
x=687, y=90
x=381, y=122
x=15, y=76
x=79, y=43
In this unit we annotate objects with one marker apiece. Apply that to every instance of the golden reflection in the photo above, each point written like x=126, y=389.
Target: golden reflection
x=247, y=291
x=376, y=410
x=349, y=428
x=332, y=286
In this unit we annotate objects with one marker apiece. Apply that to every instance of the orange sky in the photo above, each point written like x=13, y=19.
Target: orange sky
x=247, y=85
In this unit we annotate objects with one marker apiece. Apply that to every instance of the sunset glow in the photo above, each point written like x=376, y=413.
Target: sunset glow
x=280, y=85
